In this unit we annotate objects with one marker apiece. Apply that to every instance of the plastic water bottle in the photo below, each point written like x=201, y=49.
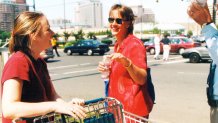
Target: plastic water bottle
x=202, y=3
x=107, y=61
x=105, y=75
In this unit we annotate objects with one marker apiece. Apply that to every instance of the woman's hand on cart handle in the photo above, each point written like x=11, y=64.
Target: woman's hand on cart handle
x=77, y=101
x=73, y=110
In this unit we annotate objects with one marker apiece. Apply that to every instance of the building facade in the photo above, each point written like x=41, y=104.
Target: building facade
x=144, y=15
x=89, y=14
x=8, y=11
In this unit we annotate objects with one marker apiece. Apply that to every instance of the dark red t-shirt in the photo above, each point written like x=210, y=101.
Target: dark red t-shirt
x=134, y=97
x=34, y=90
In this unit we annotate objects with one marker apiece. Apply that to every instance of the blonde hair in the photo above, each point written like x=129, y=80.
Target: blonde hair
x=25, y=23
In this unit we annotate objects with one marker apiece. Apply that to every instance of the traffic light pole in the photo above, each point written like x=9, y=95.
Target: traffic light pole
x=214, y=11
x=34, y=6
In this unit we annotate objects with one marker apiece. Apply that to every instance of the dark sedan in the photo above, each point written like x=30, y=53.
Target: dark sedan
x=87, y=46
x=196, y=54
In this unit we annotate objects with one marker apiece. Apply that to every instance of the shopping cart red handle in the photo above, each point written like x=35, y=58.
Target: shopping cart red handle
x=94, y=101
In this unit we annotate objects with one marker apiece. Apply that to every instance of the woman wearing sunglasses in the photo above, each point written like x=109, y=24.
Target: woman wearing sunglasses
x=128, y=74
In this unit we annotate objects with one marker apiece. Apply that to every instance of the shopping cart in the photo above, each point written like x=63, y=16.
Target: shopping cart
x=101, y=110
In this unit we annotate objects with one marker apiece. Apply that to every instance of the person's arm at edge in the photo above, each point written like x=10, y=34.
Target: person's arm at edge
x=211, y=37
x=13, y=108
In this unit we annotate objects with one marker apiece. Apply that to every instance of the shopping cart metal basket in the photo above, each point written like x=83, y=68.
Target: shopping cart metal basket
x=100, y=110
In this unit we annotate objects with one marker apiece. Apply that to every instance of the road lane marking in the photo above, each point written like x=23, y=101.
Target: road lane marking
x=67, y=66
x=193, y=73
x=161, y=60
x=85, y=64
x=73, y=72
x=177, y=61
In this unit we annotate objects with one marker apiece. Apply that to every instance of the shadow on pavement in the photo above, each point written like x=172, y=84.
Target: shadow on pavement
x=50, y=61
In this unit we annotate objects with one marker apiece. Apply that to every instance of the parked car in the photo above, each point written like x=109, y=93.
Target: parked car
x=47, y=54
x=148, y=40
x=178, y=45
x=88, y=46
x=196, y=54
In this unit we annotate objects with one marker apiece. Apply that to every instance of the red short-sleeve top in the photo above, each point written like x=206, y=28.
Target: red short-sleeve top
x=35, y=89
x=134, y=97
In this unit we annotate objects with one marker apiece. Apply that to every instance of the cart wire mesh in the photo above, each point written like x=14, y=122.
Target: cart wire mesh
x=101, y=110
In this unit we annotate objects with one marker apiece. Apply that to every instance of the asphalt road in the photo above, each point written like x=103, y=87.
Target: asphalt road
x=179, y=85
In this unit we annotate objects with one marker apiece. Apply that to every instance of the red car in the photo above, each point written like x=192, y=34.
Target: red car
x=178, y=45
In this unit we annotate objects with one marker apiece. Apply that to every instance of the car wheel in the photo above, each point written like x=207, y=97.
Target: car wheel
x=181, y=50
x=89, y=52
x=152, y=51
x=194, y=58
x=69, y=52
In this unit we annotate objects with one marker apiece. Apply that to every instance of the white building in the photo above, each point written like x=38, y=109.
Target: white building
x=89, y=14
x=60, y=23
x=144, y=15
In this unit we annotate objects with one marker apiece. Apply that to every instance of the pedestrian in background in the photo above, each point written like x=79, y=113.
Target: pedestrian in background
x=27, y=90
x=157, y=40
x=54, y=46
x=128, y=76
x=201, y=15
x=166, y=47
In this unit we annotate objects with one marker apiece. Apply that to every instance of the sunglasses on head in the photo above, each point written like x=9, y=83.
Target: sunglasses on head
x=118, y=20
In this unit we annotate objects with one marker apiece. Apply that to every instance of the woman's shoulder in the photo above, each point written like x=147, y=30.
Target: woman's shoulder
x=132, y=39
x=17, y=57
x=17, y=61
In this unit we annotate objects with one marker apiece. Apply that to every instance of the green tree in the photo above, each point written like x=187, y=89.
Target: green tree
x=4, y=35
x=166, y=33
x=90, y=35
x=75, y=35
x=66, y=36
x=156, y=30
x=178, y=32
x=56, y=36
x=109, y=34
x=81, y=34
x=189, y=33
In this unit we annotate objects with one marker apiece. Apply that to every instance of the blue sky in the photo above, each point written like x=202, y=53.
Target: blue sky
x=165, y=10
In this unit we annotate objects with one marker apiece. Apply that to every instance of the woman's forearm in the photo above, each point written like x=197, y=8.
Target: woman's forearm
x=20, y=109
x=137, y=74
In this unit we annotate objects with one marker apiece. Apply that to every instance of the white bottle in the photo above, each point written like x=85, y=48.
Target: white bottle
x=202, y=3
x=107, y=61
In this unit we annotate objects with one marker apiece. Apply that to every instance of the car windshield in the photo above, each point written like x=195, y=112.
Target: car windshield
x=96, y=42
x=187, y=40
